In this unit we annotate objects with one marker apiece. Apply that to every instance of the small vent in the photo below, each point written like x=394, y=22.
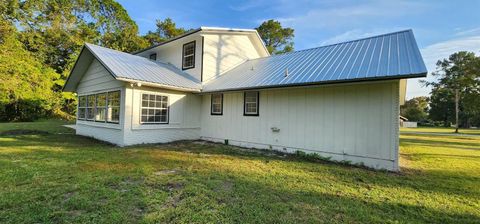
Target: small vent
x=286, y=72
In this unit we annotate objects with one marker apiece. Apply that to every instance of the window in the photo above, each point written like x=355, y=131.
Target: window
x=90, y=107
x=82, y=105
x=101, y=107
x=188, y=55
x=250, y=107
x=154, y=109
x=153, y=57
x=113, y=108
x=216, y=104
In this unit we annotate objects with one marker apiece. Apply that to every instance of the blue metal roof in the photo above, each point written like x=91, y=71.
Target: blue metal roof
x=389, y=56
x=125, y=66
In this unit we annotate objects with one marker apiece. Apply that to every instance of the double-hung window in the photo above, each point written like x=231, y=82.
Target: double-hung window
x=82, y=106
x=113, y=107
x=250, y=106
x=188, y=55
x=216, y=104
x=154, y=109
x=91, y=107
x=101, y=107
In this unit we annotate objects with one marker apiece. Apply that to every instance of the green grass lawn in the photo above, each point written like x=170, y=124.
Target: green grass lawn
x=441, y=130
x=53, y=176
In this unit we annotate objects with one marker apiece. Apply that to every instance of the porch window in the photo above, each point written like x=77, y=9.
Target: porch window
x=113, y=107
x=82, y=105
x=90, y=107
x=216, y=104
x=154, y=109
x=250, y=107
x=101, y=107
x=188, y=55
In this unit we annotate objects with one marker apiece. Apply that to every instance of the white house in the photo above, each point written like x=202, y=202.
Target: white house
x=340, y=101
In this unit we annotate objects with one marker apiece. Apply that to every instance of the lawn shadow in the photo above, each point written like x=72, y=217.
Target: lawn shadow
x=250, y=197
x=437, y=143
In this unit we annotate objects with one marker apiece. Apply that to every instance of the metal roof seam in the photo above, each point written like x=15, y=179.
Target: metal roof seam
x=341, y=74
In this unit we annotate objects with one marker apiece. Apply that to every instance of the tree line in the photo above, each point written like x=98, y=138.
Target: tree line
x=41, y=39
x=455, y=95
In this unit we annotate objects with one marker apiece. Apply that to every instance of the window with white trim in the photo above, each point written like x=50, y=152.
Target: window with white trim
x=154, y=109
x=82, y=106
x=188, y=55
x=216, y=104
x=90, y=107
x=250, y=107
x=113, y=107
x=100, y=106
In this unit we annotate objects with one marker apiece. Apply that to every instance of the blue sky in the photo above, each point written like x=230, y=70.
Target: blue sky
x=440, y=27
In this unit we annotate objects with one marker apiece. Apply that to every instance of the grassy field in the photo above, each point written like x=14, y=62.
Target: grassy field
x=53, y=176
x=441, y=130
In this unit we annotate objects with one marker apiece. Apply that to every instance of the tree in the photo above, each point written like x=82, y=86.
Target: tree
x=415, y=109
x=458, y=77
x=277, y=39
x=25, y=87
x=166, y=29
x=52, y=33
x=442, y=106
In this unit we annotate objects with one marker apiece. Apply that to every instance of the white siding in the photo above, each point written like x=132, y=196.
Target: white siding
x=225, y=51
x=357, y=122
x=172, y=53
x=101, y=132
x=96, y=80
x=184, y=118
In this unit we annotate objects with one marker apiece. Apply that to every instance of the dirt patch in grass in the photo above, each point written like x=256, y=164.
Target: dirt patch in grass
x=172, y=186
x=16, y=132
x=166, y=172
x=68, y=195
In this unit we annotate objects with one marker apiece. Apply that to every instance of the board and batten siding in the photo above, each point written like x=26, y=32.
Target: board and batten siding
x=97, y=79
x=225, y=51
x=355, y=122
x=184, y=117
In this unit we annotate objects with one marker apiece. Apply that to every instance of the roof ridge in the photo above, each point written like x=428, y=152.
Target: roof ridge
x=330, y=45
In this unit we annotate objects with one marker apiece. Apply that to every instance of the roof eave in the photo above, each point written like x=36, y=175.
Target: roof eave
x=158, y=85
x=380, y=78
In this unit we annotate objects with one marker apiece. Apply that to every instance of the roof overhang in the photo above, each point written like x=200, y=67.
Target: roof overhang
x=84, y=59
x=158, y=85
x=347, y=81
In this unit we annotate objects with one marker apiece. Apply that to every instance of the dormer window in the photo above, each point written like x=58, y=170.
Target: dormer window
x=153, y=57
x=188, y=55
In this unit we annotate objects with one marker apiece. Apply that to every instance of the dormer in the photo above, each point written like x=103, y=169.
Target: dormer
x=208, y=52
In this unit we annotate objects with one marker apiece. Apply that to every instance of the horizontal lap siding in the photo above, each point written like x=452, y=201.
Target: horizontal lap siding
x=97, y=78
x=348, y=122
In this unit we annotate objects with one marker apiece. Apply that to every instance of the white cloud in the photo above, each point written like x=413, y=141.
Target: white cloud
x=353, y=13
x=356, y=34
x=432, y=53
x=469, y=32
